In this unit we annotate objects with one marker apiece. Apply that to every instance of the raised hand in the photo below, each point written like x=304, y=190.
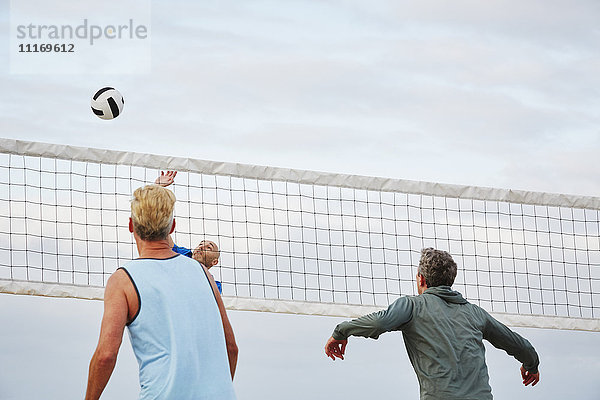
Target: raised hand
x=165, y=179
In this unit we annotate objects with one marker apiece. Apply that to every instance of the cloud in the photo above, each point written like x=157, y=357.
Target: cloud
x=488, y=95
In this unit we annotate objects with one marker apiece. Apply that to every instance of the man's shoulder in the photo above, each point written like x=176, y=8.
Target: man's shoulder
x=118, y=278
x=141, y=265
x=428, y=299
x=404, y=305
x=119, y=282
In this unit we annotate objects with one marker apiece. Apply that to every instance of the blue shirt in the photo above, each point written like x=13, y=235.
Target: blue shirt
x=182, y=250
x=177, y=335
x=189, y=253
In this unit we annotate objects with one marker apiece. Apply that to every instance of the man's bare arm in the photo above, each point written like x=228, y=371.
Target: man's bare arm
x=164, y=180
x=232, y=349
x=111, y=335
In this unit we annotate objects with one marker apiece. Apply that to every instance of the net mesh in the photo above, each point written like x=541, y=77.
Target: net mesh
x=65, y=221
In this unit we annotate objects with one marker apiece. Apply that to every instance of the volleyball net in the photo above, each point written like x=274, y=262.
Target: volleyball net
x=299, y=241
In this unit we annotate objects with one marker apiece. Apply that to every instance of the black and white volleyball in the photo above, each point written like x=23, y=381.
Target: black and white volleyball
x=107, y=103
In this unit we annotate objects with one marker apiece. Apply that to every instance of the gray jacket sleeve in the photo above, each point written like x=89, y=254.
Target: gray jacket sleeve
x=514, y=344
x=373, y=325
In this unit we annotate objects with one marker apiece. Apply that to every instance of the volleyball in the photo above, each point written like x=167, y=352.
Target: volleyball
x=107, y=103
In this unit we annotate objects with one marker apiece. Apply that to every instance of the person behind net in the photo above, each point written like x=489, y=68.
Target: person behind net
x=178, y=326
x=207, y=252
x=443, y=335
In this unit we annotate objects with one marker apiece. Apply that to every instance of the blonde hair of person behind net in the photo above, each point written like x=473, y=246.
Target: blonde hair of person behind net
x=152, y=212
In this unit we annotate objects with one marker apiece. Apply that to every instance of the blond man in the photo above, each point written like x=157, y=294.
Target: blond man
x=174, y=314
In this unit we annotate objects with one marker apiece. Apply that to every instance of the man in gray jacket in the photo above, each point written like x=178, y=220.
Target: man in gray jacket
x=443, y=334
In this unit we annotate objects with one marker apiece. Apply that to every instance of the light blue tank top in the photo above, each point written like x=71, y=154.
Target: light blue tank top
x=177, y=335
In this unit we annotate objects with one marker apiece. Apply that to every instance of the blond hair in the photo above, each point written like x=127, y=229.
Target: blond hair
x=152, y=212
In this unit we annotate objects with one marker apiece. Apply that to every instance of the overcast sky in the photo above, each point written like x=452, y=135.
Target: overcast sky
x=497, y=93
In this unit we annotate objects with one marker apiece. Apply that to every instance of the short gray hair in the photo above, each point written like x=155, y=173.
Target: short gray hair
x=437, y=267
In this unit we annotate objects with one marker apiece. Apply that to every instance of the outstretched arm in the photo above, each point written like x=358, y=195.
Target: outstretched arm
x=165, y=179
x=501, y=337
x=374, y=324
x=371, y=325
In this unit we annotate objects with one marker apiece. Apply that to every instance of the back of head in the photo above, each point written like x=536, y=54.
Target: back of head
x=437, y=267
x=152, y=212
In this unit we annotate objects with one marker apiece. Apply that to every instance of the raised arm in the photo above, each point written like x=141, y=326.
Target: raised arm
x=165, y=179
